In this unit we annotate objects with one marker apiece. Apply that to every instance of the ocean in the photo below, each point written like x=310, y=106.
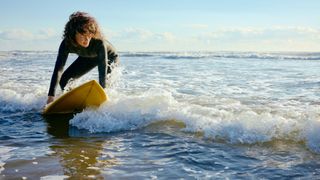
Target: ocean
x=170, y=115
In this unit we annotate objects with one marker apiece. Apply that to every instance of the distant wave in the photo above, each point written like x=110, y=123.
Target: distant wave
x=226, y=55
x=190, y=55
x=6, y=55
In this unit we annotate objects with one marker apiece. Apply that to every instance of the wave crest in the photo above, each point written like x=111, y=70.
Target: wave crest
x=233, y=122
x=224, y=55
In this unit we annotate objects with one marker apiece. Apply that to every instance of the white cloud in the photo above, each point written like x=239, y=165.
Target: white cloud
x=198, y=26
x=277, y=31
x=276, y=38
x=136, y=33
x=142, y=35
x=15, y=34
x=168, y=36
x=45, y=34
x=25, y=35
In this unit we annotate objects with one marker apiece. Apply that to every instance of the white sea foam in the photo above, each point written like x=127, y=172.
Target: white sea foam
x=54, y=177
x=312, y=129
x=5, y=154
x=229, y=120
x=11, y=100
x=125, y=113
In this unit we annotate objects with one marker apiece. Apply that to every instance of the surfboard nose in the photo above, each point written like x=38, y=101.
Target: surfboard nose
x=89, y=94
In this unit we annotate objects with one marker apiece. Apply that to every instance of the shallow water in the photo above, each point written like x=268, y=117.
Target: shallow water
x=171, y=115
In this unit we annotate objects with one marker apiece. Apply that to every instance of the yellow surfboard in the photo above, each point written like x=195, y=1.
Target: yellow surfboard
x=89, y=94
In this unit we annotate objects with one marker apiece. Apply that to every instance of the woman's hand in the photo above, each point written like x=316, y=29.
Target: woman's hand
x=50, y=99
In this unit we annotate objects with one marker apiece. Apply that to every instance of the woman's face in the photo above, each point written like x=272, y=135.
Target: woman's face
x=83, y=39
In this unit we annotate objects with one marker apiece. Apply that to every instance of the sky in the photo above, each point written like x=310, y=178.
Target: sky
x=168, y=25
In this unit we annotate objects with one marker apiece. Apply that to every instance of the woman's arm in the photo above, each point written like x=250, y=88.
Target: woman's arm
x=113, y=57
x=108, y=57
x=58, y=69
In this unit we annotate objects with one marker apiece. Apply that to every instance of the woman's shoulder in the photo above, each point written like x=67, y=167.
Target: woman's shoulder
x=63, y=46
x=97, y=41
x=101, y=42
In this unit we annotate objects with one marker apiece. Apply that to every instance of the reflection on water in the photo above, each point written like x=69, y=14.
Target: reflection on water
x=80, y=154
x=58, y=125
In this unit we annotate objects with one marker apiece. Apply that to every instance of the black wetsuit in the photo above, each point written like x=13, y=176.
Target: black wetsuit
x=99, y=53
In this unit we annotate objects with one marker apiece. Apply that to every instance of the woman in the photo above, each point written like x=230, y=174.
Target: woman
x=82, y=36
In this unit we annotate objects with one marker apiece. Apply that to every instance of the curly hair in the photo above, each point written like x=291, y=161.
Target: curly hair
x=82, y=23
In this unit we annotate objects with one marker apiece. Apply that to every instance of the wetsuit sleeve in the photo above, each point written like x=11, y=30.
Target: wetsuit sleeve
x=106, y=57
x=102, y=65
x=58, y=68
